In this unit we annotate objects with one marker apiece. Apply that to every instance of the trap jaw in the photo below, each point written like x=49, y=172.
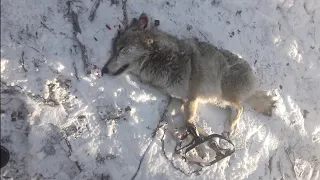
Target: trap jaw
x=221, y=153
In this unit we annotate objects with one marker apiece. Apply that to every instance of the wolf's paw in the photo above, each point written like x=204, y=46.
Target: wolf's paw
x=179, y=135
x=229, y=129
x=192, y=129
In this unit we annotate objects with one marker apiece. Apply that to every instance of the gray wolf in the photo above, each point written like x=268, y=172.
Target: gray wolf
x=189, y=71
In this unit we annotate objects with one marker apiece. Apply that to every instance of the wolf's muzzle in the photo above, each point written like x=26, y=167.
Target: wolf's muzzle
x=119, y=71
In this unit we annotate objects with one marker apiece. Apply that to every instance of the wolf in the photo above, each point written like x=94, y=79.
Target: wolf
x=189, y=71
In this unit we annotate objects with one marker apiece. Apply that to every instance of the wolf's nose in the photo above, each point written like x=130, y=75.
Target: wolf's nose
x=105, y=70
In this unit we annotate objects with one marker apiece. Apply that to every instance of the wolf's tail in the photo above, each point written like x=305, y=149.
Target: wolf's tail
x=261, y=102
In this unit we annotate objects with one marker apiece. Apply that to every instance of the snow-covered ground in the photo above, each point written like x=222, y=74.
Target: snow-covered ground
x=60, y=123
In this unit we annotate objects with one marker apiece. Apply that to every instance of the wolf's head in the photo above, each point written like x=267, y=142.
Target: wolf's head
x=131, y=48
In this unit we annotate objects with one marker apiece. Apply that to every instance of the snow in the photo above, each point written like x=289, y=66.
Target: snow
x=59, y=123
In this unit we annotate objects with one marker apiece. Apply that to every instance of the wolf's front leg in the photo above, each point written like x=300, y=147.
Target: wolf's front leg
x=190, y=110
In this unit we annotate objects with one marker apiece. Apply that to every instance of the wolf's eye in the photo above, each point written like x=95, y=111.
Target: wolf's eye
x=119, y=49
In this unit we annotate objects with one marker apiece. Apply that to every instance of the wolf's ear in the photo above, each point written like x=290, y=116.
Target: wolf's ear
x=134, y=22
x=143, y=21
x=140, y=24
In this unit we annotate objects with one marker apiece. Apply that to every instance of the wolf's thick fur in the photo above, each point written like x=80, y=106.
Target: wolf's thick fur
x=188, y=70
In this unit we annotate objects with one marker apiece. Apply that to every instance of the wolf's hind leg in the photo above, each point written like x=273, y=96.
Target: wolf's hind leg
x=236, y=113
